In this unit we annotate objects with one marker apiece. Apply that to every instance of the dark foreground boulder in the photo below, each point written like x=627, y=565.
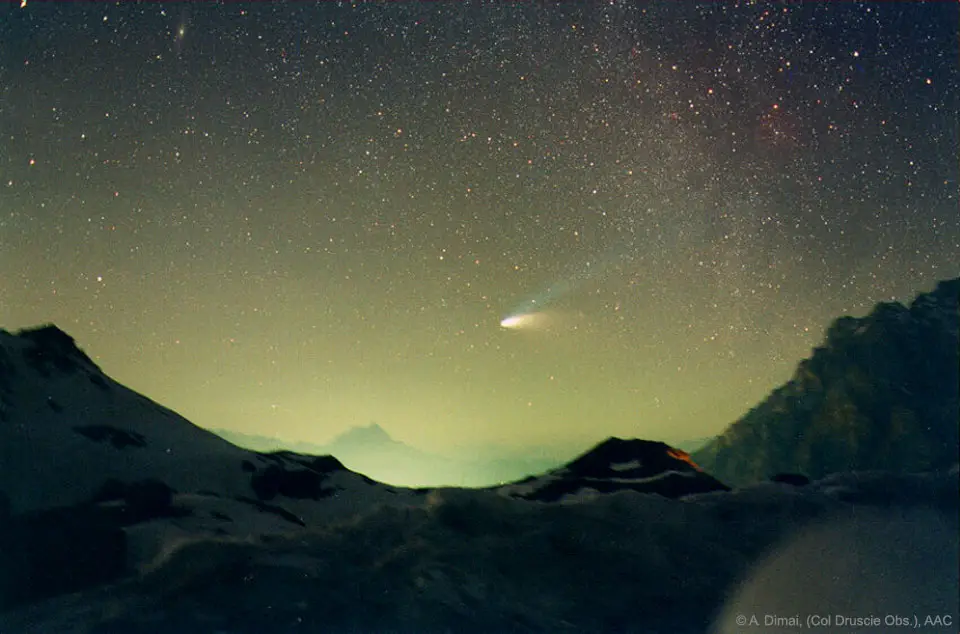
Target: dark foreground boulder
x=52, y=552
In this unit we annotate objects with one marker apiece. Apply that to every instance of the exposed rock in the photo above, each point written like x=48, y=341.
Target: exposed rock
x=325, y=464
x=54, y=349
x=99, y=381
x=274, y=509
x=296, y=483
x=142, y=501
x=148, y=499
x=119, y=438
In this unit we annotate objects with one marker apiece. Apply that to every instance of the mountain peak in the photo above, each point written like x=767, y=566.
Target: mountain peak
x=375, y=428
x=370, y=435
x=50, y=346
x=639, y=458
x=616, y=464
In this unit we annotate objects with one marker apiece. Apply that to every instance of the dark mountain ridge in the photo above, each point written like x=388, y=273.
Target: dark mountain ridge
x=880, y=393
x=643, y=466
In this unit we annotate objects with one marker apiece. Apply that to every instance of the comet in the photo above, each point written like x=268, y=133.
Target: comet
x=516, y=322
x=535, y=311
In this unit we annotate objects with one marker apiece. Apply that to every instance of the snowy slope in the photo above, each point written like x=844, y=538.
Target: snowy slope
x=66, y=428
x=69, y=434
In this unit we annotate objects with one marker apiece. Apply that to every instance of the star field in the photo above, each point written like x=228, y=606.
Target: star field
x=291, y=218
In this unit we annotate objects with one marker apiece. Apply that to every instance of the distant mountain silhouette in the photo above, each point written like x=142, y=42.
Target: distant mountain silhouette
x=372, y=444
x=371, y=450
x=259, y=442
x=880, y=393
x=373, y=435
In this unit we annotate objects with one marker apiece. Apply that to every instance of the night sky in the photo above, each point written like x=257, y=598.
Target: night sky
x=292, y=219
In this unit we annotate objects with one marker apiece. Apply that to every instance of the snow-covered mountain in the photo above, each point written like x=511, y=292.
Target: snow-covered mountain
x=68, y=433
x=70, y=436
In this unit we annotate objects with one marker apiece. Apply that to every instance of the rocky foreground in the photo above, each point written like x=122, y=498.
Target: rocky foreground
x=479, y=561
